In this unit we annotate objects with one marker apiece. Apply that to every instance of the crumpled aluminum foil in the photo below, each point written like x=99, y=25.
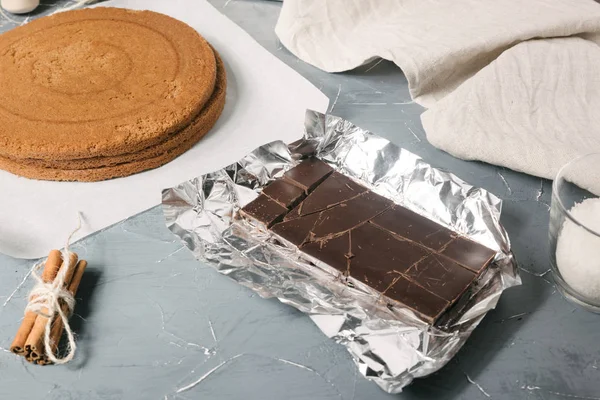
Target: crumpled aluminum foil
x=389, y=346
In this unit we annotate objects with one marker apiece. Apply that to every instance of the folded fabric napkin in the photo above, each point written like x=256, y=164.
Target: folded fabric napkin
x=508, y=82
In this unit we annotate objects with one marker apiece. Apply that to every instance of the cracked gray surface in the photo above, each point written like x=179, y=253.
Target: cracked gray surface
x=153, y=323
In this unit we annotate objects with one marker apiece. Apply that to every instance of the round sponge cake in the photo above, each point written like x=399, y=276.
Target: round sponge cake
x=128, y=164
x=100, y=82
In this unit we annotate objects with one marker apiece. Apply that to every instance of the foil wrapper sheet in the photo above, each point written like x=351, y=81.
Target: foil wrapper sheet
x=390, y=346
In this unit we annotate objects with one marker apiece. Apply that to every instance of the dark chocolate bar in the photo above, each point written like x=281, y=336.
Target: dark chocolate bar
x=350, y=214
x=407, y=224
x=336, y=189
x=308, y=174
x=334, y=252
x=427, y=304
x=297, y=230
x=469, y=253
x=264, y=210
x=284, y=193
x=441, y=276
x=411, y=260
x=383, y=262
x=377, y=253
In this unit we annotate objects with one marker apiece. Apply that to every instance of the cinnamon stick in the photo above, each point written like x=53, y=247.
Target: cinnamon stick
x=35, y=340
x=58, y=326
x=48, y=274
x=42, y=361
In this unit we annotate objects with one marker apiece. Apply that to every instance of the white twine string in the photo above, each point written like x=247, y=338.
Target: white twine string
x=45, y=300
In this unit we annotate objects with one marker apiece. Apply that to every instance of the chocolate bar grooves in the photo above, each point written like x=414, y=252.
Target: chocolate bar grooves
x=334, y=235
x=437, y=252
x=339, y=188
x=299, y=207
x=394, y=281
x=412, y=261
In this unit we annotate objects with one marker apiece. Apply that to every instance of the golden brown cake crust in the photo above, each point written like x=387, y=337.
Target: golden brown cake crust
x=171, y=149
x=171, y=142
x=99, y=82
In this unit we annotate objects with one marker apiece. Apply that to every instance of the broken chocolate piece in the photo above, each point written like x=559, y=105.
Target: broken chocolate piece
x=295, y=213
x=336, y=189
x=441, y=276
x=332, y=251
x=284, y=193
x=410, y=225
x=468, y=253
x=350, y=214
x=296, y=231
x=308, y=174
x=427, y=304
x=264, y=210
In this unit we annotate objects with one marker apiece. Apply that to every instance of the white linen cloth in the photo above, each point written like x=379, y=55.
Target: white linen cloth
x=494, y=90
x=37, y=216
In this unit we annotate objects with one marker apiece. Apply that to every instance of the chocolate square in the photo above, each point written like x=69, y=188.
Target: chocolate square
x=468, y=253
x=427, y=304
x=308, y=174
x=441, y=276
x=336, y=189
x=334, y=252
x=297, y=230
x=264, y=210
x=410, y=225
x=284, y=193
x=350, y=214
x=376, y=254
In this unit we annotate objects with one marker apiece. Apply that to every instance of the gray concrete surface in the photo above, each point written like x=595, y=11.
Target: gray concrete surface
x=152, y=320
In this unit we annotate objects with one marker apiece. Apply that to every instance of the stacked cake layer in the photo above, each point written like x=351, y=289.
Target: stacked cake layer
x=103, y=93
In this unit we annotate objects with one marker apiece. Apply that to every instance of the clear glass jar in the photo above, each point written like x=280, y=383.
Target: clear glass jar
x=575, y=231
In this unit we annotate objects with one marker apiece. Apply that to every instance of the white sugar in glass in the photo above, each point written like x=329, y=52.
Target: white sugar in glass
x=575, y=231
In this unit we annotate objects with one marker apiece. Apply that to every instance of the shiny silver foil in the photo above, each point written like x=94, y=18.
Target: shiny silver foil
x=389, y=346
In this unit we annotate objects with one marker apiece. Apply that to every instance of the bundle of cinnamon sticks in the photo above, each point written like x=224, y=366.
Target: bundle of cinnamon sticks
x=29, y=341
